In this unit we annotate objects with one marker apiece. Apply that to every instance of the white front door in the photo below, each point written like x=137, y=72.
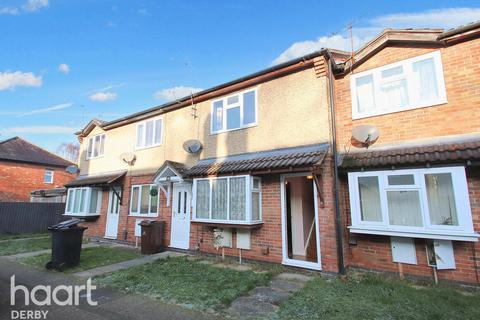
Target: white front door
x=181, y=205
x=113, y=213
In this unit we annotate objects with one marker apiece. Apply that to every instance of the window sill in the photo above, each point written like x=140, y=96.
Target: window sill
x=93, y=158
x=357, y=116
x=143, y=215
x=439, y=235
x=249, y=226
x=149, y=147
x=236, y=129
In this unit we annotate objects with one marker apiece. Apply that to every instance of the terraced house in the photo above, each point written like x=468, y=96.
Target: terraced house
x=268, y=162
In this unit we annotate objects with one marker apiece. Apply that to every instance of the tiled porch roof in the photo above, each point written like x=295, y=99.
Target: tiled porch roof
x=96, y=180
x=413, y=155
x=264, y=161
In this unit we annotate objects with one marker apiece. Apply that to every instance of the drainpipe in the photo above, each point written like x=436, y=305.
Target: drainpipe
x=336, y=183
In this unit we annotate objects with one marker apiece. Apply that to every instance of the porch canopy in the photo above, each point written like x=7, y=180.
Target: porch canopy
x=101, y=180
x=274, y=161
x=464, y=151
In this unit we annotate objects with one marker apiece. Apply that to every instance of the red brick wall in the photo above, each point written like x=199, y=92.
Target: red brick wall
x=461, y=115
x=17, y=180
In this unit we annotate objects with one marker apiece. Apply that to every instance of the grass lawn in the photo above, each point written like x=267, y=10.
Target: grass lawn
x=24, y=235
x=28, y=245
x=90, y=258
x=185, y=282
x=371, y=297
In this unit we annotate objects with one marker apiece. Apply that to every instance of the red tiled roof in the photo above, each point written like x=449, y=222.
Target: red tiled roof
x=17, y=149
x=435, y=153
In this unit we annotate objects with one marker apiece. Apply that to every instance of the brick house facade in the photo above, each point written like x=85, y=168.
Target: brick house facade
x=417, y=130
x=23, y=167
x=289, y=148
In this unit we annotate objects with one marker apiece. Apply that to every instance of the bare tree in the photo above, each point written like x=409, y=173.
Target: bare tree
x=69, y=151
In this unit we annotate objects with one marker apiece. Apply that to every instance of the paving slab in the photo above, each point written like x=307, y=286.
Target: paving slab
x=284, y=285
x=267, y=294
x=250, y=307
x=127, y=264
x=238, y=267
x=294, y=277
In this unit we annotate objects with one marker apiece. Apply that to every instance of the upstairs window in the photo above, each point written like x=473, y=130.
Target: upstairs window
x=234, y=112
x=48, y=176
x=233, y=200
x=144, y=200
x=83, y=201
x=96, y=146
x=430, y=203
x=149, y=133
x=408, y=84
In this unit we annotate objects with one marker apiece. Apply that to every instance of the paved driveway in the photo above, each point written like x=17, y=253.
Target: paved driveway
x=111, y=304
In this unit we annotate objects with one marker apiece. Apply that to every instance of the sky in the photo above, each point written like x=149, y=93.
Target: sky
x=64, y=62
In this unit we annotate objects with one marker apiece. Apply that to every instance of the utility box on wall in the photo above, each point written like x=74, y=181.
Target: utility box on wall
x=243, y=239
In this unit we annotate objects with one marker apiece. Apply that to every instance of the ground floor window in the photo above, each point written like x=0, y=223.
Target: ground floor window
x=144, y=200
x=428, y=201
x=235, y=199
x=83, y=201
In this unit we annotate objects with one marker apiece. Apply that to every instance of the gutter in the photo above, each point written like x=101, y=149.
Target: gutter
x=336, y=183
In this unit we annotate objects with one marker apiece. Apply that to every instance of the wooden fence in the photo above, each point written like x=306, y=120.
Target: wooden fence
x=29, y=217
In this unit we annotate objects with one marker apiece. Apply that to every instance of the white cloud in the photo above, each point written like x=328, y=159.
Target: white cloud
x=45, y=110
x=440, y=18
x=34, y=5
x=10, y=80
x=175, y=93
x=64, y=68
x=28, y=6
x=39, y=130
x=103, y=96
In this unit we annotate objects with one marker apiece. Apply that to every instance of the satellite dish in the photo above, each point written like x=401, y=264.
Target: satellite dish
x=72, y=169
x=128, y=157
x=365, y=135
x=192, y=146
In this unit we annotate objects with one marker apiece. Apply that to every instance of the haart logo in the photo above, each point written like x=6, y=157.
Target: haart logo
x=50, y=295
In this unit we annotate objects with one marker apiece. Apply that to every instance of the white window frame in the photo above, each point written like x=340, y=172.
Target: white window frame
x=88, y=196
x=248, y=201
x=144, y=131
x=463, y=232
x=91, y=142
x=408, y=74
x=225, y=106
x=51, y=174
x=139, y=201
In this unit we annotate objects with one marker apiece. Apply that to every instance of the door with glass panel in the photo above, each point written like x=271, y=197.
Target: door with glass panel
x=181, y=206
x=111, y=228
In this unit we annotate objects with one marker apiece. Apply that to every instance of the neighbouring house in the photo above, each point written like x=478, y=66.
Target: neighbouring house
x=411, y=200
x=25, y=167
x=49, y=195
x=250, y=167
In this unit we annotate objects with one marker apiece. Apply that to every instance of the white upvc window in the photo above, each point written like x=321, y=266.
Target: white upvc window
x=48, y=176
x=408, y=84
x=144, y=200
x=96, y=146
x=231, y=200
x=234, y=112
x=84, y=201
x=149, y=133
x=426, y=203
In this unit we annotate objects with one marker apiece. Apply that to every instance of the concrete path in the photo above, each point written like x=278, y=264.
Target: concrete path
x=263, y=301
x=126, y=264
x=112, y=304
x=20, y=239
x=36, y=253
